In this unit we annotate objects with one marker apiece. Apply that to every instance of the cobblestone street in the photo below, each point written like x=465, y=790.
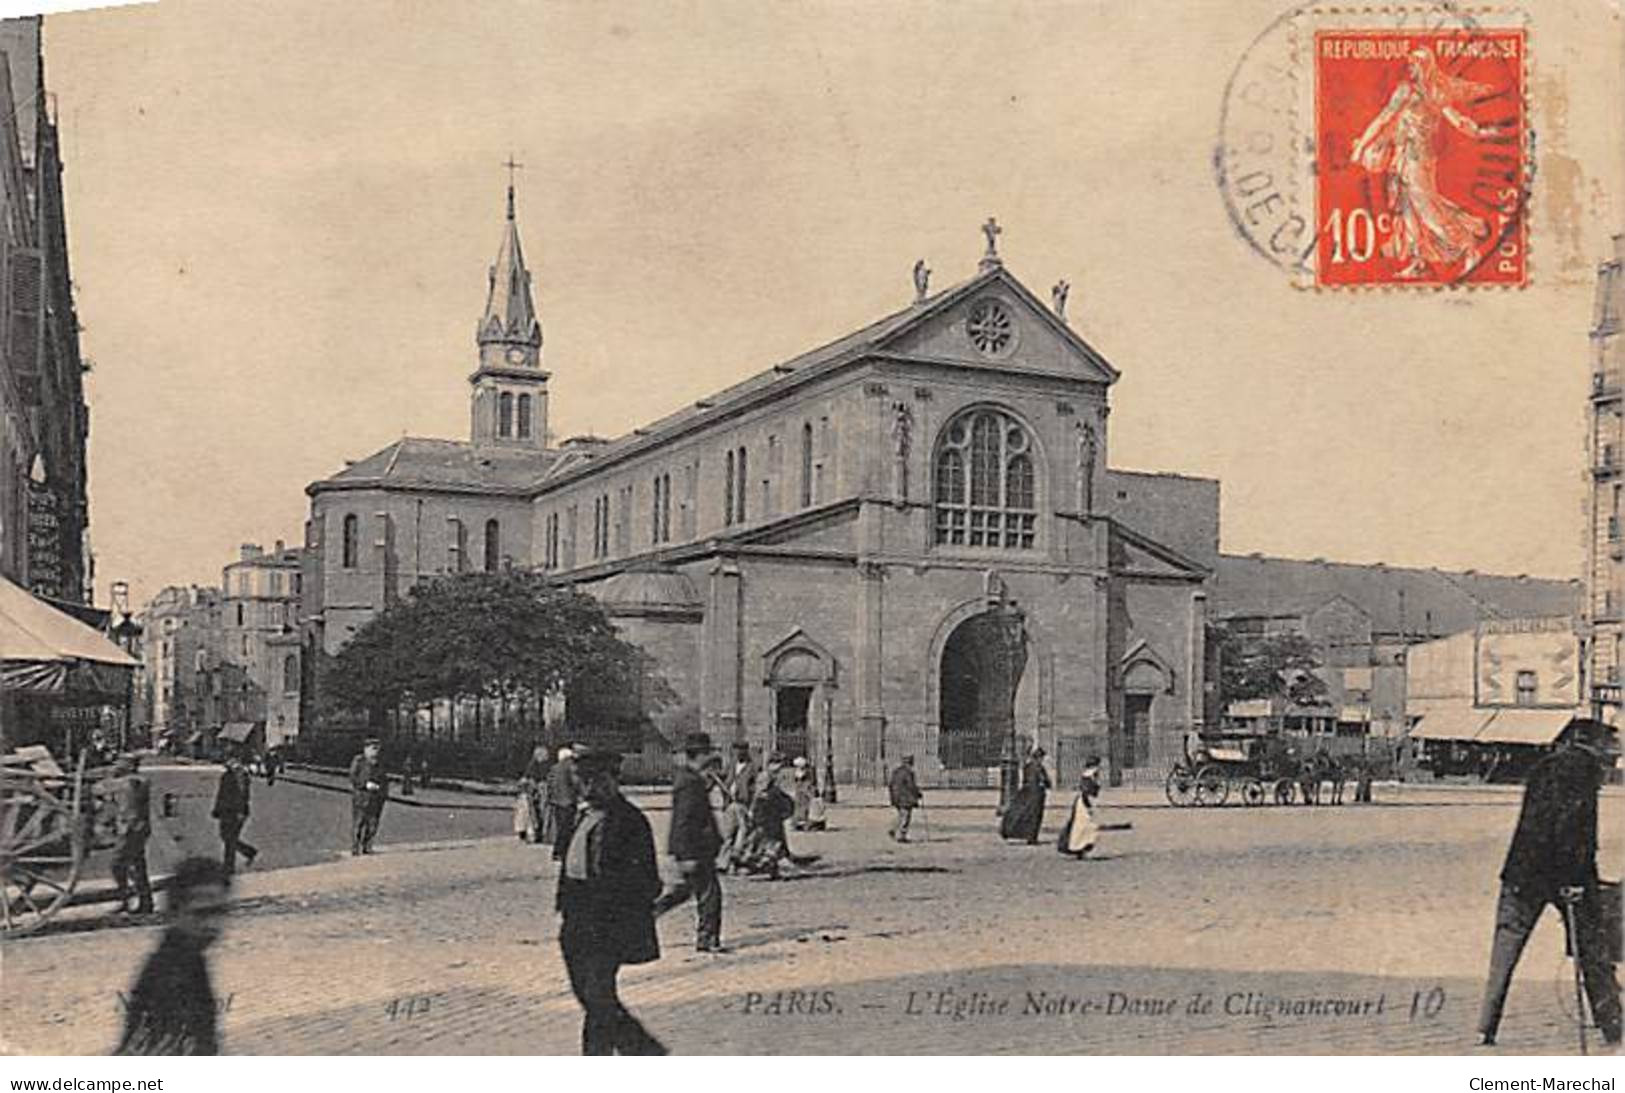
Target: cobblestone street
x=1273, y=930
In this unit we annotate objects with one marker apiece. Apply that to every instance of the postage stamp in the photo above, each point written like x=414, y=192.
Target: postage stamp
x=1419, y=155
x=1383, y=147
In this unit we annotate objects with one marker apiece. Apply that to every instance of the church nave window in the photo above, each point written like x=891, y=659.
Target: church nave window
x=351, y=541
x=493, y=546
x=551, y=555
x=806, y=463
x=660, y=517
x=984, y=483
x=456, y=545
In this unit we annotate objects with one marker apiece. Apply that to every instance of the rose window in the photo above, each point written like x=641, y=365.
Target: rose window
x=990, y=328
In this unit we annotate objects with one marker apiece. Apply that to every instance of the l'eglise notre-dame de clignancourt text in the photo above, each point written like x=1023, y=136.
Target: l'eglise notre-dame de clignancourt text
x=860, y=550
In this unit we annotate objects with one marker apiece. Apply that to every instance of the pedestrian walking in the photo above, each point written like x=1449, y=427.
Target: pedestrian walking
x=369, y=788
x=804, y=786
x=694, y=842
x=904, y=791
x=769, y=813
x=1553, y=860
x=272, y=764
x=1025, y=816
x=563, y=795
x=606, y=894
x=532, y=802
x=722, y=808
x=742, y=789
x=231, y=811
x=132, y=827
x=171, y=1009
x=1078, y=834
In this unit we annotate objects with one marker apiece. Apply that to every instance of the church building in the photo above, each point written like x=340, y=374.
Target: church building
x=906, y=541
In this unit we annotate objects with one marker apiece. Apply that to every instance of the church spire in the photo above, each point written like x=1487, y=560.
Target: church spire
x=510, y=312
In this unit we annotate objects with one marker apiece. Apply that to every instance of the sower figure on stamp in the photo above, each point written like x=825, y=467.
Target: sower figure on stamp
x=1553, y=860
x=905, y=795
x=171, y=1010
x=607, y=890
x=132, y=823
x=694, y=843
x=369, y=786
x=231, y=811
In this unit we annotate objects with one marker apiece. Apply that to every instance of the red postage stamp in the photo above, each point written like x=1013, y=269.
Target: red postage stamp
x=1421, y=157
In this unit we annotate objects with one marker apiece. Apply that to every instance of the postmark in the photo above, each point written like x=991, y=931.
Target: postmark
x=1383, y=147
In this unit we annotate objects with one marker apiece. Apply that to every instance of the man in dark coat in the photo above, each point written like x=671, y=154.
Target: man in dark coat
x=231, y=810
x=132, y=825
x=171, y=1010
x=905, y=797
x=563, y=796
x=1553, y=860
x=369, y=788
x=694, y=843
x=607, y=891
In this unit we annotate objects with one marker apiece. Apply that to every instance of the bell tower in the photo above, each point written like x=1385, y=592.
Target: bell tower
x=509, y=397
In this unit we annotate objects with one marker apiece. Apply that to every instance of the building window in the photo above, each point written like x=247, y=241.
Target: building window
x=456, y=545
x=623, y=520
x=550, y=558
x=600, y=526
x=493, y=546
x=245, y=647
x=505, y=415
x=985, y=492
x=239, y=614
x=660, y=516
x=572, y=524
x=1527, y=686
x=290, y=674
x=806, y=464
x=351, y=542
x=741, y=482
x=524, y=417
x=728, y=490
x=691, y=482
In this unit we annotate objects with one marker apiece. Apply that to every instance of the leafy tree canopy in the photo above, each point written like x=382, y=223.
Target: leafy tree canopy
x=1254, y=666
x=494, y=635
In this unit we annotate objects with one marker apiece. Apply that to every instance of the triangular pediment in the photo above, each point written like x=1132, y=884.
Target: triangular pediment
x=994, y=321
x=1139, y=557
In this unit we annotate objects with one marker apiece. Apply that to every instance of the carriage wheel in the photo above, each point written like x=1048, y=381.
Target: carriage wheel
x=41, y=849
x=1283, y=792
x=1252, y=792
x=1212, y=787
x=1180, y=788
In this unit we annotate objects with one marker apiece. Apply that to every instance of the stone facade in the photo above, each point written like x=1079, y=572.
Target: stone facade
x=260, y=638
x=1605, y=541
x=855, y=555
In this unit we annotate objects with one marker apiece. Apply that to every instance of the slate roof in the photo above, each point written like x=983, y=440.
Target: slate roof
x=444, y=464
x=1438, y=601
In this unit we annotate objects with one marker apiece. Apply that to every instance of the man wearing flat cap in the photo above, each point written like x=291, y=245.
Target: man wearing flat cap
x=1553, y=860
x=694, y=842
x=607, y=891
x=369, y=788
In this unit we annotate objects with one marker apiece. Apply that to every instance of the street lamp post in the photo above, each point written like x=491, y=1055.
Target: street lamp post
x=829, y=752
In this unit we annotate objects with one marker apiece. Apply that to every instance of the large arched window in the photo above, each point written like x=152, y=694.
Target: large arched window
x=985, y=495
x=351, y=541
x=505, y=414
x=493, y=546
x=524, y=417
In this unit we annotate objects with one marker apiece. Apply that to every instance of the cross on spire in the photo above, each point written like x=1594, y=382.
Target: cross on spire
x=512, y=166
x=992, y=230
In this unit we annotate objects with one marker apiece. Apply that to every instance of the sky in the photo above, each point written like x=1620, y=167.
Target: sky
x=281, y=216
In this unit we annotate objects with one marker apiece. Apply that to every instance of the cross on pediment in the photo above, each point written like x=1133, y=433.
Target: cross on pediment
x=992, y=230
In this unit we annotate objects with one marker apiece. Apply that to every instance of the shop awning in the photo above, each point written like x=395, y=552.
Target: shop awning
x=1249, y=707
x=236, y=732
x=38, y=643
x=1522, y=726
x=1451, y=723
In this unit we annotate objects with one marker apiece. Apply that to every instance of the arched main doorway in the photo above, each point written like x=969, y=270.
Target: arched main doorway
x=984, y=662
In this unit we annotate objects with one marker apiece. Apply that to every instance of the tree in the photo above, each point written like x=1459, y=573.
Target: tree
x=1269, y=666
x=504, y=636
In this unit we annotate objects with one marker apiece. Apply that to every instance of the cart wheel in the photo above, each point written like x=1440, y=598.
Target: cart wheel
x=42, y=847
x=1252, y=792
x=1181, y=788
x=1212, y=787
x=1283, y=792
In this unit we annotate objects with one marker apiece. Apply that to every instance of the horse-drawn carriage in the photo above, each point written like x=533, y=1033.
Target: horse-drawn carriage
x=1256, y=767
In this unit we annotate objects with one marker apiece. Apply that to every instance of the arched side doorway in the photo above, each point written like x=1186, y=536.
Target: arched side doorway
x=801, y=674
x=1145, y=674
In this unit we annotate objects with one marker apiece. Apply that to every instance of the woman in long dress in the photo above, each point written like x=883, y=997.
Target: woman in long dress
x=1025, y=816
x=1401, y=148
x=1079, y=832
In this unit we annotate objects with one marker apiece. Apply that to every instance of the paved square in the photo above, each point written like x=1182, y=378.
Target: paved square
x=1272, y=930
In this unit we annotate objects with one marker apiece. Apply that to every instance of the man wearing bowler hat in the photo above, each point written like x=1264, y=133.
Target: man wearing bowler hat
x=606, y=893
x=694, y=842
x=369, y=788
